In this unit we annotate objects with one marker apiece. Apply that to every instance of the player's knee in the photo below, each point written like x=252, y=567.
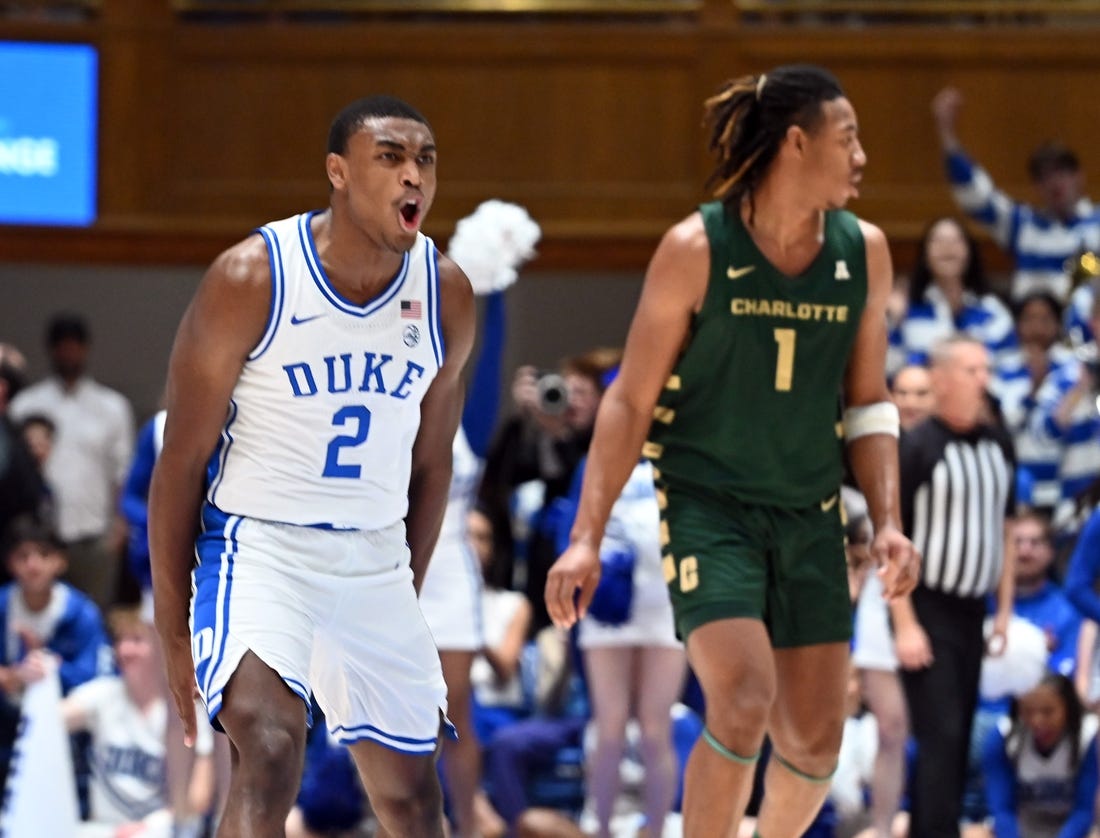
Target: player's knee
x=413, y=808
x=813, y=750
x=740, y=714
x=271, y=748
x=276, y=753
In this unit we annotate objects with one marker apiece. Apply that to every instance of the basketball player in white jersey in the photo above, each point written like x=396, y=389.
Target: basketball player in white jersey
x=313, y=396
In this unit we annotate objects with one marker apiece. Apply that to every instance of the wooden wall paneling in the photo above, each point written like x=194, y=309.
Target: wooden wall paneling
x=593, y=124
x=588, y=136
x=1022, y=86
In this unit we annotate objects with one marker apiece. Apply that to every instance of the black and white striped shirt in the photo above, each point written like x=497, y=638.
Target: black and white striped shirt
x=956, y=489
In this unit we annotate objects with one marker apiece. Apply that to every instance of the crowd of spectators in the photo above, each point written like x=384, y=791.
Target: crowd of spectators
x=588, y=732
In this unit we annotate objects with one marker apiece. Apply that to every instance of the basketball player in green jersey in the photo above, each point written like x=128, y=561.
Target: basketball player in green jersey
x=756, y=352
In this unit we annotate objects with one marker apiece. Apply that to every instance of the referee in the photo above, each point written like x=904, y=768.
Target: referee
x=956, y=494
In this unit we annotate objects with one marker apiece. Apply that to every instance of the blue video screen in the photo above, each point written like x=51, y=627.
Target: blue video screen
x=48, y=124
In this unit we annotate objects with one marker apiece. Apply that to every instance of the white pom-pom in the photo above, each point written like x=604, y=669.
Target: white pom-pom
x=492, y=243
x=1022, y=665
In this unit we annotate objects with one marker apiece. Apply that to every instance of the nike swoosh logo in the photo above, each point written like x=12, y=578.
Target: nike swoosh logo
x=295, y=320
x=737, y=273
x=829, y=503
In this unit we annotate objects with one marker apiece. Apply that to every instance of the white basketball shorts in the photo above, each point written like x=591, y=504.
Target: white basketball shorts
x=451, y=598
x=331, y=611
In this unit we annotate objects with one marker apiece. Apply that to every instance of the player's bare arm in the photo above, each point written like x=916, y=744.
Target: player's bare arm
x=440, y=413
x=874, y=454
x=221, y=326
x=673, y=291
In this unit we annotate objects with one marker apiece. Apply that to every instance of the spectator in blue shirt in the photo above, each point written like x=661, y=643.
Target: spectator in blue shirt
x=1040, y=765
x=37, y=611
x=41, y=616
x=1039, y=599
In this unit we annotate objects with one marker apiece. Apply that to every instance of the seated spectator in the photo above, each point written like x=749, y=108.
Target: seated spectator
x=948, y=294
x=126, y=715
x=41, y=614
x=1018, y=378
x=1038, y=598
x=1040, y=765
x=541, y=757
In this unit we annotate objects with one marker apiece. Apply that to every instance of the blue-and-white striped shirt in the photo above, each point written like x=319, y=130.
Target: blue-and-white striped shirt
x=1080, y=438
x=1039, y=244
x=1079, y=314
x=1038, y=455
x=985, y=318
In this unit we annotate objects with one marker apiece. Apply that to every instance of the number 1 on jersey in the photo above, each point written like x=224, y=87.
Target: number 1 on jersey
x=784, y=361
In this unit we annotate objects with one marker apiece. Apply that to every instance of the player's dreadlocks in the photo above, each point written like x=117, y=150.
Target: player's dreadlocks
x=749, y=117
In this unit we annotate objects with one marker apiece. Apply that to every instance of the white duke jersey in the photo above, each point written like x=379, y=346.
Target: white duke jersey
x=322, y=421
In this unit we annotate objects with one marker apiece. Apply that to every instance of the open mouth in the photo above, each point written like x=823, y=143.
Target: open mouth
x=410, y=214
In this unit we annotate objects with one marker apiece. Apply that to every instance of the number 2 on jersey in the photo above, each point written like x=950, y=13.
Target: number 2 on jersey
x=784, y=360
x=360, y=416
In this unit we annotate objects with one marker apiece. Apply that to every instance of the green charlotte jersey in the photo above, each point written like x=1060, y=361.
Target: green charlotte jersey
x=752, y=406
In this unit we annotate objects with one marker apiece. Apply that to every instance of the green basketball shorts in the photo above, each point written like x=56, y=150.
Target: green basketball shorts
x=726, y=558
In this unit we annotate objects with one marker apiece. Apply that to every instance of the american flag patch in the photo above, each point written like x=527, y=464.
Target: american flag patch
x=410, y=309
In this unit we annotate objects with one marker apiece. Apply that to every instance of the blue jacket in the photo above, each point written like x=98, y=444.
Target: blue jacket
x=1084, y=569
x=1005, y=794
x=1051, y=610
x=135, y=503
x=80, y=640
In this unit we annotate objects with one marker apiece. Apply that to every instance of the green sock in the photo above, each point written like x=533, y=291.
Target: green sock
x=709, y=738
x=807, y=777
